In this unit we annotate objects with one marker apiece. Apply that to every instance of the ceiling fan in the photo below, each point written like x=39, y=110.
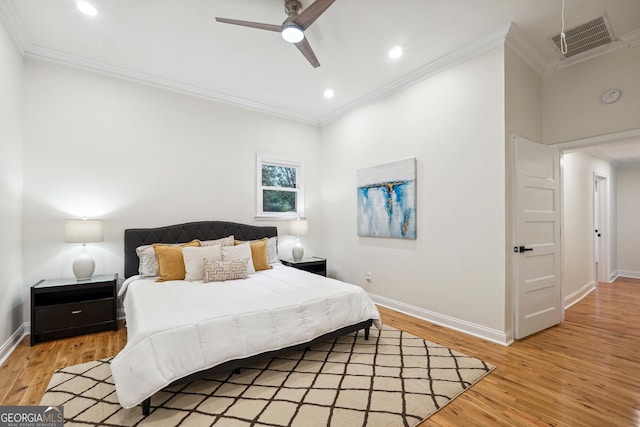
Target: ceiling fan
x=292, y=29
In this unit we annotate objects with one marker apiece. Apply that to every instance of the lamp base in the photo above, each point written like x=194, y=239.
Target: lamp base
x=83, y=267
x=297, y=252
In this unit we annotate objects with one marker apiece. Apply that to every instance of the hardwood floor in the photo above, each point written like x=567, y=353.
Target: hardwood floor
x=583, y=372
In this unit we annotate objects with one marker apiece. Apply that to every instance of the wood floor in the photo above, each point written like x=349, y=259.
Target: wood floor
x=583, y=372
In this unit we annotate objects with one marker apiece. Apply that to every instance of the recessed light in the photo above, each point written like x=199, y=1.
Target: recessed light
x=329, y=93
x=395, y=53
x=86, y=8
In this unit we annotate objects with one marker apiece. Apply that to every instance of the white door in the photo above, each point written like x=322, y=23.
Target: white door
x=596, y=226
x=538, y=293
x=600, y=228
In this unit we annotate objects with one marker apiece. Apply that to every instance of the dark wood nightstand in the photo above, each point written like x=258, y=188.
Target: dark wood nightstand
x=311, y=264
x=68, y=307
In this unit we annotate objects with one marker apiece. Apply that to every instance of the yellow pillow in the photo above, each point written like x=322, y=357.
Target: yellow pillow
x=259, y=254
x=170, y=261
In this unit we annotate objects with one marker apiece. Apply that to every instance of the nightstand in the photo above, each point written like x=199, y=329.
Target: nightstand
x=68, y=307
x=311, y=264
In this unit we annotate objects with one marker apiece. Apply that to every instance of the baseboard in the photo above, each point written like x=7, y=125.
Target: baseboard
x=613, y=276
x=10, y=345
x=499, y=337
x=578, y=295
x=629, y=274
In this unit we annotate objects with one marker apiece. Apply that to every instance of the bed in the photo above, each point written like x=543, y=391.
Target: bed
x=182, y=330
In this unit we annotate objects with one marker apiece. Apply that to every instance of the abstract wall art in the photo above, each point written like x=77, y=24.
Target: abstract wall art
x=387, y=200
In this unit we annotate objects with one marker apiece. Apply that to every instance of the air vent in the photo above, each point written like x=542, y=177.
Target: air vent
x=585, y=37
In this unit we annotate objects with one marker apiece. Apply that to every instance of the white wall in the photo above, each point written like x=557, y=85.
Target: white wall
x=455, y=127
x=523, y=98
x=578, y=222
x=11, y=299
x=137, y=156
x=572, y=107
x=523, y=117
x=628, y=223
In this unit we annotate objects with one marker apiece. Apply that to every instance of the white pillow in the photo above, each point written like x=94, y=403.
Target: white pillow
x=242, y=251
x=194, y=260
x=272, y=250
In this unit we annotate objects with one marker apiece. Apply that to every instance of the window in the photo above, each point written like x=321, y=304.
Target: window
x=279, y=188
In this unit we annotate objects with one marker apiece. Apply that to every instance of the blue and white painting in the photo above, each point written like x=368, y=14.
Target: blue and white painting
x=387, y=200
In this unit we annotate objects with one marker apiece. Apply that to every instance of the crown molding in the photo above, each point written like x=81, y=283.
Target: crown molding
x=449, y=60
x=523, y=47
x=14, y=24
x=50, y=55
x=30, y=50
x=463, y=54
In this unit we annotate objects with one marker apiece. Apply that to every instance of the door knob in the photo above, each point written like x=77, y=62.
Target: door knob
x=521, y=249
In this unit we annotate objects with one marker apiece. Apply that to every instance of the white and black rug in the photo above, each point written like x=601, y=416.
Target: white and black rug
x=393, y=379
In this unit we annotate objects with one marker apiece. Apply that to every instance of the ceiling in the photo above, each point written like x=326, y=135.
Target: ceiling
x=623, y=154
x=177, y=44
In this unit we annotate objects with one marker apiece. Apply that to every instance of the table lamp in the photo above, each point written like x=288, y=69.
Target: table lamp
x=83, y=231
x=298, y=227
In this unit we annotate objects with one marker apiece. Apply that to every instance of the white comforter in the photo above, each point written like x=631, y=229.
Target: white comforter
x=178, y=328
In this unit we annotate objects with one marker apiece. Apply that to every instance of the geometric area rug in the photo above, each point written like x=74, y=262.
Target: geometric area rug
x=393, y=379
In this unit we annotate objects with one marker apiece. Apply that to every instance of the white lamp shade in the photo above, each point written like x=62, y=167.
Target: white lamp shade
x=83, y=231
x=298, y=227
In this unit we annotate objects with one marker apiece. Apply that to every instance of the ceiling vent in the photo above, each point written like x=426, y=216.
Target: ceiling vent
x=585, y=37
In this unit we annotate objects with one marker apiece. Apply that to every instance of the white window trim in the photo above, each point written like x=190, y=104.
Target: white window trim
x=286, y=162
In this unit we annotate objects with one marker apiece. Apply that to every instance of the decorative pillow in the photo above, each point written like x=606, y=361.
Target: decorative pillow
x=242, y=251
x=219, y=271
x=148, y=261
x=259, y=254
x=272, y=250
x=194, y=260
x=225, y=241
x=170, y=261
x=148, y=266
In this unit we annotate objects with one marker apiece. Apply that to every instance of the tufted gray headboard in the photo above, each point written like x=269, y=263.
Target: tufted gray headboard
x=182, y=233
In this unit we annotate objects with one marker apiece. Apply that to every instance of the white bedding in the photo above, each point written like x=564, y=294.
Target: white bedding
x=178, y=328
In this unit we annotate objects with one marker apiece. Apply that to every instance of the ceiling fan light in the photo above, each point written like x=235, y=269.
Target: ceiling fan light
x=292, y=33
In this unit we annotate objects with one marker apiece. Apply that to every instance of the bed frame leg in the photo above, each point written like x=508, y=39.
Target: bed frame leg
x=366, y=333
x=146, y=406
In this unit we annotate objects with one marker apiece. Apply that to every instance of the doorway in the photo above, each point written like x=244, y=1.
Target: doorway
x=600, y=228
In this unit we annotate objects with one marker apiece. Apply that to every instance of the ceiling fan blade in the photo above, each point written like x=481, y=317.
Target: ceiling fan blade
x=313, y=12
x=306, y=50
x=258, y=25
